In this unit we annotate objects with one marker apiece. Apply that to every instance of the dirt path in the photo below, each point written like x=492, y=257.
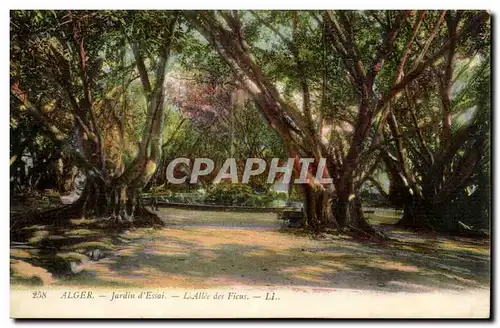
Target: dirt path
x=217, y=249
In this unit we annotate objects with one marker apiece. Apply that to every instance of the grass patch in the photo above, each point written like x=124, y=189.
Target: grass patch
x=80, y=232
x=89, y=245
x=72, y=257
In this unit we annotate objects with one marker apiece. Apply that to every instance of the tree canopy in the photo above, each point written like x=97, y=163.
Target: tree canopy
x=398, y=101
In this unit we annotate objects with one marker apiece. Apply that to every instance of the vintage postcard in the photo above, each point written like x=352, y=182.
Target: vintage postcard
x=250, y=163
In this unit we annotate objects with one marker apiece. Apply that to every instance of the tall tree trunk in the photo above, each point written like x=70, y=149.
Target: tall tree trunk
x=417, y=214
x=348, y=213
x=318, y=208
x=118, y=205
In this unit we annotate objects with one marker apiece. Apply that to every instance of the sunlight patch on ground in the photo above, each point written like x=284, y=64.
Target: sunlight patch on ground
x=453, y=245
x=129, y=251
x=333, y=264
x=167, y=248
x=20, y=253
x=186, y=216
x=23, y=271
x=82, y=221
x=202, y=249
x=307, y=269
x=310, y=277
x=391, y=265
x=258, y=253
x=212, y=237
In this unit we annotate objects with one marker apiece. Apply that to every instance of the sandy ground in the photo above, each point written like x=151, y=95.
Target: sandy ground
x=219, y=249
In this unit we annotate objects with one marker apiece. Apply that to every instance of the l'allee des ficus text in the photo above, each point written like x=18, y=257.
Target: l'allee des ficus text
x=193, y=295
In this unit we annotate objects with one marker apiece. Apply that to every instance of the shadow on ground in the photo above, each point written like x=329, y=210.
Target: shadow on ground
x=217, y=249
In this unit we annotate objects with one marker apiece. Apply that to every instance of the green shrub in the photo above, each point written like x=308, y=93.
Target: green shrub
x=231, y=194
x=242, y=195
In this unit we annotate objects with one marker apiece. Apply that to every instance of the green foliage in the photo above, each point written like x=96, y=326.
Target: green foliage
x=297, y=194
x=293, y=51
x=241, y=195
x=372, y=198
x=470, y=206
x=186, y=198
x=230, y=194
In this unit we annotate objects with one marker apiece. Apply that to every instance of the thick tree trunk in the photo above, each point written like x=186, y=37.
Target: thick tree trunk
x=318, y=209
x=417, y=214
x=341, y=211
x=349, y=216
x=448, y=219
x=119, y=203
x=119, y=206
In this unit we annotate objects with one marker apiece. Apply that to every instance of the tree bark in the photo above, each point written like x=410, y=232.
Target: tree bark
x=417, y=214
x=318, y=209
x=116, y=205
x=349, y=216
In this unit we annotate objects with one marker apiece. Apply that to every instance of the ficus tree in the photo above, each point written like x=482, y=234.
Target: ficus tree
x=80, y=65
x=360, y=43
x=434, y=164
